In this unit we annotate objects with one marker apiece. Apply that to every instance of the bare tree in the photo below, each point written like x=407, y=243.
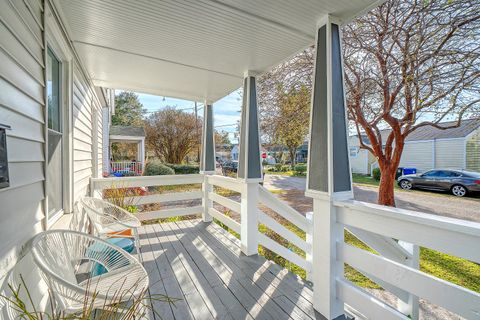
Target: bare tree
x=171, y=134
x=410, y=64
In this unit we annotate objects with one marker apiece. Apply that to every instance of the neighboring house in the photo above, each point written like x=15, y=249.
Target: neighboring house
x=56, y=118
x=428, y=148
x=234, y=153
x=122, y=163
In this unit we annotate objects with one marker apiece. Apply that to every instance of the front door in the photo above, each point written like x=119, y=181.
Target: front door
x=55, y=161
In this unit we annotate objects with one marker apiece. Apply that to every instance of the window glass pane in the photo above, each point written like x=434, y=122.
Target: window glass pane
x=54, y=173
x=53, y=91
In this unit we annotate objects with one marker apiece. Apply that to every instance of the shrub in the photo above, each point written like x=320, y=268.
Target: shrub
x=300, y=168
x=278, y=167
x=156, y=168
x=184, y=168
x=376, y=174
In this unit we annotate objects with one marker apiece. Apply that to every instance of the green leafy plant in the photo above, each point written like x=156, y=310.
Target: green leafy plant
x=156, y=168
x=184, y=168
x=20, y=302
x=376, y=174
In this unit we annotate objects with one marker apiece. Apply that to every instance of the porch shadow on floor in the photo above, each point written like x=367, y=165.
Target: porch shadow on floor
x=201, y=264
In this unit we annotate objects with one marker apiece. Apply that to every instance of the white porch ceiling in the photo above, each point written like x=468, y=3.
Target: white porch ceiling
x=192, y=49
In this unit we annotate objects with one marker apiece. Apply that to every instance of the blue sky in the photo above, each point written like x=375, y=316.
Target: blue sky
x=225, y=111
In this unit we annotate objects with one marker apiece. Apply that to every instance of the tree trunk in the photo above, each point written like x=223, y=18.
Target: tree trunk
x=386, y=195
x=292, y=157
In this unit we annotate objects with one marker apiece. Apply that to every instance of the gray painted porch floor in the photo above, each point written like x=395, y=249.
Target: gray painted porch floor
x=201, y=264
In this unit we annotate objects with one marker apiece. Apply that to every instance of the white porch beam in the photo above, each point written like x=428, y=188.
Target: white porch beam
x=249, y=165
x=207, y=159
x=329, y=174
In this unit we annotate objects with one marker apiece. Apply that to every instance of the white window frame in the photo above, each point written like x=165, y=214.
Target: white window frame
x=350, y=149
x=55, y=41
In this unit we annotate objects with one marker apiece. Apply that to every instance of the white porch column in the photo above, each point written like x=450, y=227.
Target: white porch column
x=249, y=165
x=329, y=176
x=207, y=158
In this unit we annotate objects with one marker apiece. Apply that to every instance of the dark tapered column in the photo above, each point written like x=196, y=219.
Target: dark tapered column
x=207, y=159
x=249, y=166
x=329, y=175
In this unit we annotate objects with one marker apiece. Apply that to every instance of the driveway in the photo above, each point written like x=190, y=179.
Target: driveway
x=424, y=201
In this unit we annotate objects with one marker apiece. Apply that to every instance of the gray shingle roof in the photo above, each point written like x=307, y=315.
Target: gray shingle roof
x=127, y=131
x=429, y=133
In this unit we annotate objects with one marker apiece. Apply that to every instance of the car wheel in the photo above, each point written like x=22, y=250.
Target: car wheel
x=459, y=191
x=405, y=185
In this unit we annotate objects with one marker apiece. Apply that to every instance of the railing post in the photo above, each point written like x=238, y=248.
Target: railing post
x=207, y=203
x=309, y=240
x=410, y=307
x=249, y=165
x=249, y=219
x=329, y=176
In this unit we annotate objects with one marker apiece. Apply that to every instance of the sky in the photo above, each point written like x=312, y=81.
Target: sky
x=226, y=111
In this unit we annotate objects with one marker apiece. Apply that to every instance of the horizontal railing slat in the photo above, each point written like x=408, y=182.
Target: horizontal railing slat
x=283, y=231
x=452, y=236
x=229, y=222
x=168, y=213
x=284, y=252
x=225, y=182
x=165, y=197
x=463, y=302
x=283, y=209
x=365, y=303
x=130, y=182
x=228, y=203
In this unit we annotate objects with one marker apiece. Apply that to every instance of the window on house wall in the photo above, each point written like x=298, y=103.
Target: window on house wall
x=4, y=180
x=55, y=185
x=353, y=152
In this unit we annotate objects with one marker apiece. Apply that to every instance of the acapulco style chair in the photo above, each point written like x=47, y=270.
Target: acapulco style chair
x=110, y=220
x=67, y=260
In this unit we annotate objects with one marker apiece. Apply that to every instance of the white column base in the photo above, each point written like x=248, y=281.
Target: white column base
x=326, y=270
x=206, y=202
x=249, y=219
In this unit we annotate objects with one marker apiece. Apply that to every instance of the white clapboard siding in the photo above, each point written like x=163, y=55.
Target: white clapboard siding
x=450, y=154
x=472, y=156
x=229, y=222
x=22, y=108
x=418, y=155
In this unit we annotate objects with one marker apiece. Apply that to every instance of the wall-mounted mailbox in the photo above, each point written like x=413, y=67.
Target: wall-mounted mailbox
x=4, y=179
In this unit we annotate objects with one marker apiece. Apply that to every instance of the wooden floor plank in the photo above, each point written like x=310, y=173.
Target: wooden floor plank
x=180, y=308
x=272, y=285
x=203, y=264
x=197, y=307
x=202, y=284
x=237, y=275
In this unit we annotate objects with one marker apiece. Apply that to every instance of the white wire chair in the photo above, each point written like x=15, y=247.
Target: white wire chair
x=110, y=220
x=68, y=260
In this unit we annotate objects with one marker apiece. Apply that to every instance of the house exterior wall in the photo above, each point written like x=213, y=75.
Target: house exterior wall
x=450, y=153
x=473, y=151
x=23, y=107
x=359, y=163
x=418, y=154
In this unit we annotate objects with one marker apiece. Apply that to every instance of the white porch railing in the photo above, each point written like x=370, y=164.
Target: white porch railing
x=394, y=234
x=127, y=167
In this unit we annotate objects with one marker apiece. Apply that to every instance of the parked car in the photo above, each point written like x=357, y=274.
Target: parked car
x=458, y=182
x=229, y=167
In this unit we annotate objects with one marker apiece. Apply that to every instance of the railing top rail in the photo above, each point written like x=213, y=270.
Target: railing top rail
x=143, y=181
x=451, y=224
